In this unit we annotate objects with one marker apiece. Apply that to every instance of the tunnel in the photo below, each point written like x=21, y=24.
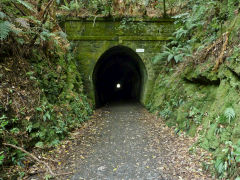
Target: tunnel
x=119, y=75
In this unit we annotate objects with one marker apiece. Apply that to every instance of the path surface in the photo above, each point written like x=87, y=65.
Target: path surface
x=123, y=151
x=124, y=141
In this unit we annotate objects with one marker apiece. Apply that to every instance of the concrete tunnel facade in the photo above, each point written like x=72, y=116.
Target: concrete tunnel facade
x=108, y=54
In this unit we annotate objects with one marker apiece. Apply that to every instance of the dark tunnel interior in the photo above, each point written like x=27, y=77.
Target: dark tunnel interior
x=118, y=76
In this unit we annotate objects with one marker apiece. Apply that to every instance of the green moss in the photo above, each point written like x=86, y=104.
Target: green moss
x=193, y=129
x=93, y=38
x=196, y=98
x=191, y=98
x=236, y=133
x=226, y=134
x=118, y=38
x=100, y=28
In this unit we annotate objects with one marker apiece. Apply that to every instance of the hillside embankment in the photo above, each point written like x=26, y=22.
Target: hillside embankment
x=201, y=94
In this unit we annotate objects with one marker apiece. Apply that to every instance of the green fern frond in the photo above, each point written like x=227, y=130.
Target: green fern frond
x=45, y=35
x=66, y=3
x=2, y=15
x=180, y=16
x=26, y=5
x=230, y=114
x=160, y=57
x=66, y=8
x=62, y=34
x=5, y=29
x=58, y=2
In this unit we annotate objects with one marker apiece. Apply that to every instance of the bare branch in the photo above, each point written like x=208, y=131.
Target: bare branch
x=32, y=156
x=38, y=160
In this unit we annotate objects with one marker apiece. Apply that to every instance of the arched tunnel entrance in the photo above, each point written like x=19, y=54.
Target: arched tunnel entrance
x=119, y=75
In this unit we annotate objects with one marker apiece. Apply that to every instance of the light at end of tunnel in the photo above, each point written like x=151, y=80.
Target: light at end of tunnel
x=118, y=85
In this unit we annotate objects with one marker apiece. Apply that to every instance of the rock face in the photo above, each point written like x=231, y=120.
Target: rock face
x=139, y=39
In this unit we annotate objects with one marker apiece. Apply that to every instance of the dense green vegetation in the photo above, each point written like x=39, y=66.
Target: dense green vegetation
x=41, y=93
x=197, y=90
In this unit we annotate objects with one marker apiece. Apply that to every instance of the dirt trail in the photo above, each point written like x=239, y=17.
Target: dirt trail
x=124, y=141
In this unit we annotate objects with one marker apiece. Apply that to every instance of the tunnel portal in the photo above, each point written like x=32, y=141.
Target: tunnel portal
x=118, y=75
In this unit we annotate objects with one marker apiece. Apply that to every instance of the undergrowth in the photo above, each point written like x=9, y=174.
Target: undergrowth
x=41, y=91
x=198, y=91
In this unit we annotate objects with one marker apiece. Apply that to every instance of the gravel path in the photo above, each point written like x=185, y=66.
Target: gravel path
x=123, y=151
x=125, y=141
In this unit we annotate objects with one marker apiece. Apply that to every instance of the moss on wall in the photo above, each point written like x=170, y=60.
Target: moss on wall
x=193, y=98
x=93, y=38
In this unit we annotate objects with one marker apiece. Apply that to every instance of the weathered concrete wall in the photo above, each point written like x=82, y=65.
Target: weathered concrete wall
x=93, y=37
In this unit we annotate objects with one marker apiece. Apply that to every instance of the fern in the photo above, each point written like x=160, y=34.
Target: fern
x=180, y=32
x=72, y=6
x=182, y=16
x=66, y=8
x=26, y=5
x=66, y=3
x=58, y=2
x=230, y=114
x=160, y=57
x=231, y=7
x=45, y=35
x=2, y=15
x=62, y=34
x=5, y=29
x=174, y=53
